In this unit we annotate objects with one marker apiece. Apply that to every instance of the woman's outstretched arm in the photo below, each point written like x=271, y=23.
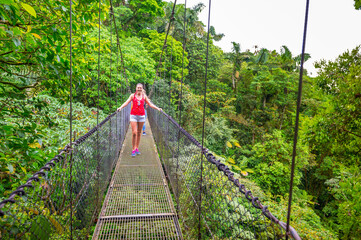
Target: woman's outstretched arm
x=126, y=102
x=150, y=104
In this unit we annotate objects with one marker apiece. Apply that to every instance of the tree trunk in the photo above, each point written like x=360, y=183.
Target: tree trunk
x=235, y=85
x=253, y=136
x=264, y=102
x=233, y=81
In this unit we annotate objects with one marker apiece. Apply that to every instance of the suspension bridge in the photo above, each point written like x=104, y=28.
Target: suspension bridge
x=176, y=189
x=138, y=202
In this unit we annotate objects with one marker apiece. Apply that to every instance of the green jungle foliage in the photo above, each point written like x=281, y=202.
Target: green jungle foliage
x=251, y=101
x=32, y=131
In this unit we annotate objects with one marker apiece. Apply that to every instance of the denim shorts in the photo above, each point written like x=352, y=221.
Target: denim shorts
x=137, y=118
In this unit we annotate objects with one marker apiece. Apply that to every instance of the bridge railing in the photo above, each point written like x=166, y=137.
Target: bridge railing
x=211, y=203
x=60, y=201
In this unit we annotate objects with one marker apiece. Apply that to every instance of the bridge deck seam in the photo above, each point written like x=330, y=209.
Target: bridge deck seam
x=134, y=216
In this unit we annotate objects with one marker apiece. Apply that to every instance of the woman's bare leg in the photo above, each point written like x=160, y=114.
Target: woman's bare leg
x=134, y=126
x=139, y=133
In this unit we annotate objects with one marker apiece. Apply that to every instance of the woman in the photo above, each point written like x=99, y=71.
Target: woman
x=137, y=115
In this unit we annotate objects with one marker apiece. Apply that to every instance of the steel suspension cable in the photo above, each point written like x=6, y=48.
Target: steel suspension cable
x=110, y=65
x=164, y=68
x=299, y=96
x=203, y=124
x=97, y=138
x=144, y=78
x=117, y=83
x=120, y=49
x=182, y=78
x=71, y=119
x=170, y=75
x=180, y=100
x=110, y=88
x=171, y=19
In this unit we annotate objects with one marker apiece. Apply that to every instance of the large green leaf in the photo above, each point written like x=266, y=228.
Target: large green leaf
x=29, y=9
x=17, y=42
x=11, y=168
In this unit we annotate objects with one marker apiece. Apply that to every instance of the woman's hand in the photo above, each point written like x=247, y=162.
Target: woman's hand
x=119, y=109
x=159, y=109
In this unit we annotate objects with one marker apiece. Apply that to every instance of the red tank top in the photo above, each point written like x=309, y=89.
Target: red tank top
x=138, y=106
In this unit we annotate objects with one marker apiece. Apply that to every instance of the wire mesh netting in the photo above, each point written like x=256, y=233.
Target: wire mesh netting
x=41, y=208
x=210, y=202
x=138, y=204
x=162, y=227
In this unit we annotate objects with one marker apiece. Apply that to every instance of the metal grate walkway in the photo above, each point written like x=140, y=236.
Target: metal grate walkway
x=138, y=204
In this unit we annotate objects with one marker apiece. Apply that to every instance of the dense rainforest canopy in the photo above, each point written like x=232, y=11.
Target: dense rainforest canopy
x=250, y=110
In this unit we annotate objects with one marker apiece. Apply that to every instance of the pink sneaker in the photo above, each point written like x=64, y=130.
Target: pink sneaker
x=137, y=151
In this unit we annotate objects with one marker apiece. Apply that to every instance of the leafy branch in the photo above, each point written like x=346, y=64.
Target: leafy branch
x=18, y=87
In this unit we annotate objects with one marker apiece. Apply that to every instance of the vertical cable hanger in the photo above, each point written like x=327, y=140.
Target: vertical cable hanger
x=110, y=65
x=117, y=84
x=120, y=50
x=182, y=78
x=180, y=100
x=110, y=89
x=143, y=80
x=297, y=119
x=164, y=45
x=203, y=125
x=71, y=118
x=97, y=138
x=170, y=76
x=171, y=68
